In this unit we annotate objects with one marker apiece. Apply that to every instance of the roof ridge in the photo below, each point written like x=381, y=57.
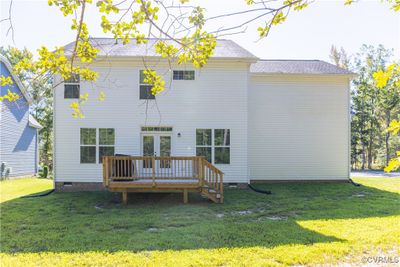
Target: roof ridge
x=291, y=60
x=153, y=38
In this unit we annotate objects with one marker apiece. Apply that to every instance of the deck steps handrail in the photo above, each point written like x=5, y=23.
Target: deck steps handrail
x=157, y=172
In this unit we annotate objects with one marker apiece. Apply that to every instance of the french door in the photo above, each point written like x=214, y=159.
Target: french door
x=159, y=145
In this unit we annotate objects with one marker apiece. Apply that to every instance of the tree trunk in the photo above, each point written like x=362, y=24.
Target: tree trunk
x=363, y=157
x=387, y=136
x=370, y=152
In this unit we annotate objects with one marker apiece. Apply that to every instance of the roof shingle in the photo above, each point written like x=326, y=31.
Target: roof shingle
x=296, y=67
x=110, y=47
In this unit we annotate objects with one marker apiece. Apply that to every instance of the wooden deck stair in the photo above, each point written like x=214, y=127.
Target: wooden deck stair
x=127, y=174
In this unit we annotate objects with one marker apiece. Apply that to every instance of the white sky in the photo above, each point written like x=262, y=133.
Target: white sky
x=308, y=34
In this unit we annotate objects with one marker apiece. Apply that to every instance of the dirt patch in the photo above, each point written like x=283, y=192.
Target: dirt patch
x=272, y=218
x=248, y=212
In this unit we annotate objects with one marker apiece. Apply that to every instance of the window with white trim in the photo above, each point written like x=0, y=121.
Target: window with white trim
x=222, y=145
x=204, y=143
x=88, y=145
x=106, y=143
x=183, y=75
x=145, y=88
x=72, y=87
x=214, y=145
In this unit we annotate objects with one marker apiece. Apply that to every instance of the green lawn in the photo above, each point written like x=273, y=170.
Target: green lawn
x=304, y=224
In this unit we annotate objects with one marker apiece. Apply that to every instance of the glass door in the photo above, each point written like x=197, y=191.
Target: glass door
x=165, y=150
x=158, y=145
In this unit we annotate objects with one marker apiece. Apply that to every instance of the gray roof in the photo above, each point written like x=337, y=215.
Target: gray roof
x=226, y=49
x=296, y=67
x=21, y=87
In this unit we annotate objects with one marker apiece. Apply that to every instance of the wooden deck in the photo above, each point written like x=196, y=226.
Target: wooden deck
x=127, y=174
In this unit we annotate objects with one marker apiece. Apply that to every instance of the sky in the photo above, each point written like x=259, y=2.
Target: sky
x=308, y=34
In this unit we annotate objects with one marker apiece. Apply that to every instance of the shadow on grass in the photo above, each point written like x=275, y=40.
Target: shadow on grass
x=97, y=221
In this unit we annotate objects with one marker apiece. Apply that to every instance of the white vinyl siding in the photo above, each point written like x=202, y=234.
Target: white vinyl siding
x=298, y=127
x=216, y=99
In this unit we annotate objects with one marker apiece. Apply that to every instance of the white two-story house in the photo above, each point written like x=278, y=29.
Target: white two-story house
x=255, y=120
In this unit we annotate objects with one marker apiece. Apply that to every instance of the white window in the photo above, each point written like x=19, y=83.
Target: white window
x=183, y=75
x=88, y=145
x=222, y=145
x=145, y=88
x=204, y=143
x=72, y=87
x=214, y=145
x=106, y=143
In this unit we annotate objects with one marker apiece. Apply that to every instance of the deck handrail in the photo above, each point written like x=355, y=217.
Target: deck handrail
x=154, y=174
x=130, y=168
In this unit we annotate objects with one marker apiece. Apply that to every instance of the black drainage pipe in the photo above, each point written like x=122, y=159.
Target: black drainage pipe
x=40, y=195
x=353, y=183
x=266, y=192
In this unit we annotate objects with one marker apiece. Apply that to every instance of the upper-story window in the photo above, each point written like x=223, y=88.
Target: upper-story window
x=183, y=75
x=145, y=88
x=72, y=87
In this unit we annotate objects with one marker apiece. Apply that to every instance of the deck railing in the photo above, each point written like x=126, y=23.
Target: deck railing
x=131, y=168
x=212, y=177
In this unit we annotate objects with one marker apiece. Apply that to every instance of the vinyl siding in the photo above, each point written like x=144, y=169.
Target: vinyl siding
x=298, y=127
x=216, y=99
x=18, y=141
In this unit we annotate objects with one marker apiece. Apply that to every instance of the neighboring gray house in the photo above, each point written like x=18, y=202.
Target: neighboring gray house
x=18, y=129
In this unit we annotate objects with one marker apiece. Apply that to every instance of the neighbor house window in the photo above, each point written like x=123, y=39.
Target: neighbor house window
x=204, y=143
x=183, y=75
x=106, y=143
x=145, y=88
x=88, y=145
x=222, y=146
x=214, y=145
x=72, y=87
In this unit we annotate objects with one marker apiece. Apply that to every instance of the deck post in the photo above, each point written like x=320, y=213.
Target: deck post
x=125, y=197
x=153, y=164
x=200, y=171
x=185, y=196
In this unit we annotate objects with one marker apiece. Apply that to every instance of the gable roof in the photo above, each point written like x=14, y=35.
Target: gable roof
x=34, y=123
x=225, y=49
x=15, y=78
x=296, y=67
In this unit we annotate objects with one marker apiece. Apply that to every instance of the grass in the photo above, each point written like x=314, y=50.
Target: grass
x=305, y=224
x=11, y=189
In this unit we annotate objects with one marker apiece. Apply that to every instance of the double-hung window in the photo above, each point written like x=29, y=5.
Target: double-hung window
x=145, y=88
x=214, y=145
x=88, y=145
x=222, y=144
x=106, y=143
x=72, y=87
x=204, y=143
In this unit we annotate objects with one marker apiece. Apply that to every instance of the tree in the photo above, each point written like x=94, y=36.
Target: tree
x=388, y=80
x=179, y=25
x=371, y=107
x=367, y=99
x=340, y=57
